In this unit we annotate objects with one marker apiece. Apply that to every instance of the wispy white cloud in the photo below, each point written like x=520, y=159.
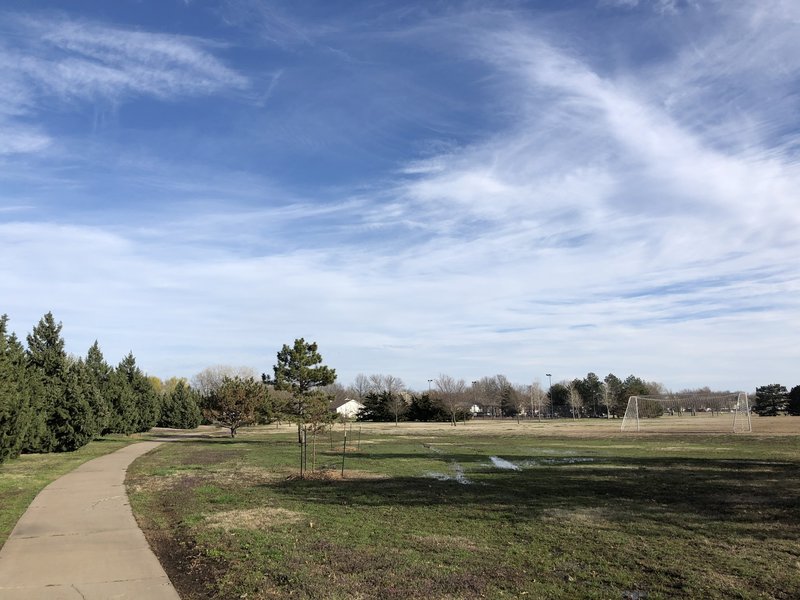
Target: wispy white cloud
x=107, y=60
x=65, y=60
x=15, y=139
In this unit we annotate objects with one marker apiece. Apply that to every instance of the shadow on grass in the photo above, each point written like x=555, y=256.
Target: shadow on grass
x=749, y=492
x=218, y=440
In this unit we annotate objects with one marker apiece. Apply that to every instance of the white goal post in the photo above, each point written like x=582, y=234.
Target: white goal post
x=694, y=412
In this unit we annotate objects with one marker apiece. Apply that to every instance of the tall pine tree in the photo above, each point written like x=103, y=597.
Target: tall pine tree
x=179, y=408
x=97, y=373
x=146, y=402
x=15, y=410
x=59, y=399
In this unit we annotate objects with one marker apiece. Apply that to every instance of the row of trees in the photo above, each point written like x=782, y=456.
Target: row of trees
x=54, y=402
x=386, y=398
x=51, y=401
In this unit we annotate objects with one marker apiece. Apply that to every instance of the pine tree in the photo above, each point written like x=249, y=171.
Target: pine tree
x=179, y=408
x=236, y=403
x=770, y=399
x=146, y=402
x=793, y=407
x=299, y=370
x=15, y=411
x=121, y=402
x=97, y=374
x=47, y=365
x=71, y=422
x=68, y=419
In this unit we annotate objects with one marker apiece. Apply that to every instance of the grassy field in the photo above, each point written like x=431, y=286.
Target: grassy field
x=486, y=510
x=22, y=478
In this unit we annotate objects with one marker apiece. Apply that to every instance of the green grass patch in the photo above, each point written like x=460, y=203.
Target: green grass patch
x=24, y=477
x=430, y=515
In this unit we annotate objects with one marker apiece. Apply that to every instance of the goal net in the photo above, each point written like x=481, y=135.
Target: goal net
x=688, y=412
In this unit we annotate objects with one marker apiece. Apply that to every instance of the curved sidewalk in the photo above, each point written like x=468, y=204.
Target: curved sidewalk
x=78, y=540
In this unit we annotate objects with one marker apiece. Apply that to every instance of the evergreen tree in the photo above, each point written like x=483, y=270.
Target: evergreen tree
x=299, y=370
x=58, y=387
x=616, y=404
x=121, y=403
x=377, y=407
x=146, y=402
x=426, y=408
x=793, y=407
x=508, y=401
x=179, y=408
x=47, y=365
x=591, y=390
x=71, y=422
x=97, y=374
x=770, y=400
x=15, y=411
x=559, y=400
x=236, y=402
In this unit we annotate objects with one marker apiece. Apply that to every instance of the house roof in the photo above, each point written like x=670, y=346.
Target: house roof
x=337, y=403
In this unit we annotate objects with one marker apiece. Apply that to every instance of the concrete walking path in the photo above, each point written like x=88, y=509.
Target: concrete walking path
x=78, y=540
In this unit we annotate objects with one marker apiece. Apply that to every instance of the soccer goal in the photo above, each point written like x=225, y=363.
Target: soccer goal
x=688, y=412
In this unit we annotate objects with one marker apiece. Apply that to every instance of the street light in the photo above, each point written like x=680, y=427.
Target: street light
x=475, y=393
x=550, y=391
x=430, y=381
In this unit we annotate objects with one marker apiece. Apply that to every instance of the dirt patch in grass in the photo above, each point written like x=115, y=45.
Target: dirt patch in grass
x=238, y=476
x=583, y=516
x=336, y=475
x=444, y=542
x=262, y=517
x=190, y=569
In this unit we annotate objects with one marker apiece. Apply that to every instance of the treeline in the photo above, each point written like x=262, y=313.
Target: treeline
x=385, y=398
x=387, y=406
x=54, y=402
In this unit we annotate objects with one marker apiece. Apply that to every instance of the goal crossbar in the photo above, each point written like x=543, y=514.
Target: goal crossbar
x=657, y=405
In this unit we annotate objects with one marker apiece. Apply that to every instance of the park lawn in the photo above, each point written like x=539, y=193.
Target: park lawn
x=425, y=513
x=24, y=477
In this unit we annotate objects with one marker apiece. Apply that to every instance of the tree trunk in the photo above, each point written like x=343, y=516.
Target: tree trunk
x=313, y=450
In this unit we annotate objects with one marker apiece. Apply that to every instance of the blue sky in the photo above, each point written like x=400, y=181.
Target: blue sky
x=466, y=188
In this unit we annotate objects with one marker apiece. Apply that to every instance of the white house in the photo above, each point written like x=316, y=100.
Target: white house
x=349, y=408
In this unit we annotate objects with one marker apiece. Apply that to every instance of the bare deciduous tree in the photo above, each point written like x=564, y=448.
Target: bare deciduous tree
x=360, y=387
x=575, y=400
x=452, y=393
x=520, y=400
x=210, y=379
x=335, y=392
x=379, y=383
x=607, y=399
x=538, y=399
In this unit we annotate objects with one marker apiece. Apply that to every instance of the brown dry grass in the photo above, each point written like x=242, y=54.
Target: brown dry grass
x=702, y=423
x=445, y=542
x=336, y=475
x=240, y=475
x=262, y=517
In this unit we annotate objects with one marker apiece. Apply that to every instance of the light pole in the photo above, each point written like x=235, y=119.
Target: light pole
x=550, y=390
x=475, y=393
x=430, y=381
